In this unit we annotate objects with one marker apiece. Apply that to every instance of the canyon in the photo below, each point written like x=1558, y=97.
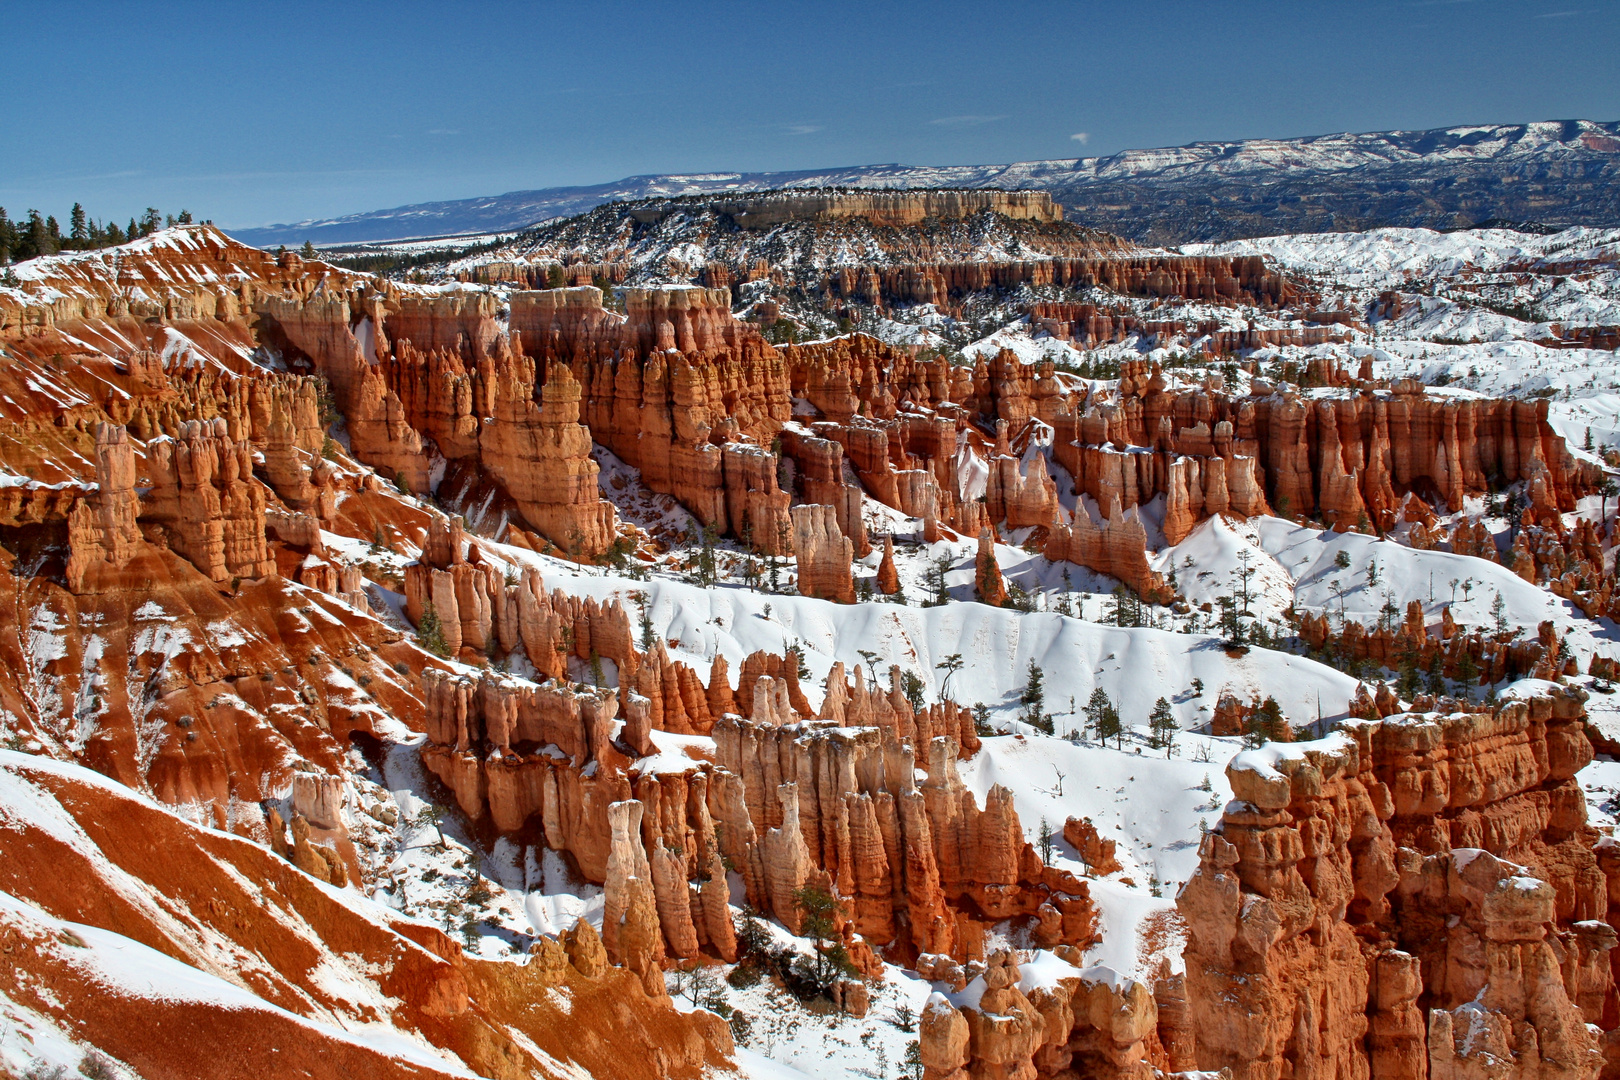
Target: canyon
x=640, y=625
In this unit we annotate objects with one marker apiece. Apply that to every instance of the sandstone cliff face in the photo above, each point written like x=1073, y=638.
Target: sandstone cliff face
x=893, y=208
x=681, y=390
x=789, y=799
x=146, y=879
x=824, y=555
x=211, y=508
x=1361, y=883
x=1061, y=1022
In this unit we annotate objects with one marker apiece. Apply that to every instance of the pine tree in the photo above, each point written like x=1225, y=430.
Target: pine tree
x=829, y=958
x=39, y=241
x=78, y=229
x=1436, y=675
x=1126, y=607
x=133, y=232
x=8, y=237
x=1407, y=685
x=1467, y=673
x=1244, y=573
x=1162, y=727
x=185, y=217
x=308, y=250
x=1111, y=727
x=1097, y=705
x=1034, y=700
x=151, y=221
x=912, y=686
x=1266, y=724
x=430, y=632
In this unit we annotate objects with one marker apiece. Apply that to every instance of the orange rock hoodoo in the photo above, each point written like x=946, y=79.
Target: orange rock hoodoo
x=1411, y=897
x=791, y=798
x=704, y=408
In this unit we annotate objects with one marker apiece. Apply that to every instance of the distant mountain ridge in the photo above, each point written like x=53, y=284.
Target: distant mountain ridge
x=1562, y=172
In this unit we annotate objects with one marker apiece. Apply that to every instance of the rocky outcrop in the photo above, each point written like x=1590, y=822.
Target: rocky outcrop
x=891, y=208
x=208, y=503
x=888, y=578
x=1418, y=864
x=988, y=586
x=825, y=555
x=102, y=530
x=542, y=455
x=1117, y=547
x=1051, y=1020
x=481, y=608
x=630, y=916
x=1096, y=851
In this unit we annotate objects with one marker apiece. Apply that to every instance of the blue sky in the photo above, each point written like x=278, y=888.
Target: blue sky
x=253, y=113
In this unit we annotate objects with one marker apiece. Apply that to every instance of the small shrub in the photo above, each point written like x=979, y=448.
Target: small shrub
x=744, y=975
x=98, y=1066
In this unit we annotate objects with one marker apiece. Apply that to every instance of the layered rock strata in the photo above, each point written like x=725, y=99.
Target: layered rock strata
x=790, y=799
x=1420, y=889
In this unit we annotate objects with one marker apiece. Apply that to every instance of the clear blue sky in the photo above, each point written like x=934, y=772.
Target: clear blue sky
x=253, y=113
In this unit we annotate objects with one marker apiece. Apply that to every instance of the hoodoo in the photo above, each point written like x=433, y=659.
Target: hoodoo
x=883, y=631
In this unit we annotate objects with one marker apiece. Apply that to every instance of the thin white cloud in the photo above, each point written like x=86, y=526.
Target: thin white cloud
x=1559, y=14
x=444, y=131
x=1081, y=137
x=965, y=121
x=803, y=129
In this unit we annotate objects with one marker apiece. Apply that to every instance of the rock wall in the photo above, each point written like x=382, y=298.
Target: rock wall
x=210, y=507
x=791, y=798
x=891, y=208
x=1421, y=866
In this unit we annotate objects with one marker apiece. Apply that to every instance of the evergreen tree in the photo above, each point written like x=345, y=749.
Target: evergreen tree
x=1436, y=675
x=1266, y=724
x=308, y=250
x=912, y=686
x=1408, y=683
x=54, y=231
x=1244, y=573
x=8, y=237
x=1111, y=727
x=78, y=228
x=151, y=221
x=950, y=666
x=39, y=241
x=1162, y=727
x=430, y=632
x=830, y=959
x=1097, y=706
x=133, y=232
x=1126, y=607
x=1034, y=700
x=1467, y=673
x=185, y=217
